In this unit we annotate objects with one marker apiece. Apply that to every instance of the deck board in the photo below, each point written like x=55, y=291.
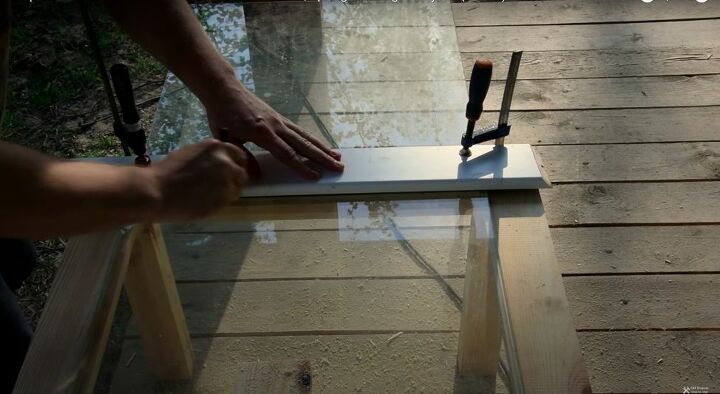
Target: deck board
x=651, y=361
x=643, y=302
x=287, y=307
x=569, y=11
x=616, y=361
x=633, y=203
x=583, y=37
x=340, y=363
x=604, y=63
x=285, y=254
x=637, y=249
x=536, y=94
x=631, y=162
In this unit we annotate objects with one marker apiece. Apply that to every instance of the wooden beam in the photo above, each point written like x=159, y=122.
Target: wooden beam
x=631, y=162
x=543, y=350
x=633, y=203
x=644, y=302
x=570, y=11
x=637, y=249
x=66, y=352
x=479, y=341
x=603, y=63
x=150, y=287
x=640, y=36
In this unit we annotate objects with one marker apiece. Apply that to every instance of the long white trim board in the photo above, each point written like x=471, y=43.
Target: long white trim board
x=401, y=170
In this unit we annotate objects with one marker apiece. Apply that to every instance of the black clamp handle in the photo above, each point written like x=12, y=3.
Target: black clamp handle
x=479, y=86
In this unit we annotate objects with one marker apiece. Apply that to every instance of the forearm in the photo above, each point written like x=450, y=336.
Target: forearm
x=44, y=197
x=169, y=30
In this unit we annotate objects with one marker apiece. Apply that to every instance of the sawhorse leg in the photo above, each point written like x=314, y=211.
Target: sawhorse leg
x=151, y=289
x=480, y=333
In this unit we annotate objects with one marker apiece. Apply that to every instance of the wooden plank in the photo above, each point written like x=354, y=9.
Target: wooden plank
x=603, y=62
x=537, y=94
x=270, y=254
x=318, y=306
x=314, y=254
x=614, y=126
x=571, y=11
x=534, y=127
x=660, y=302
x=616, y=361
x=644, y=302
x=632, y=92
x=583, y=37
x=652, y=295
x=658, y=362
x=150, y=287
x=544, y=360
x=67, y=348
x=633, y=203
x=340, y=363
x=636, y=162
x=480, y=327
x=663, y=249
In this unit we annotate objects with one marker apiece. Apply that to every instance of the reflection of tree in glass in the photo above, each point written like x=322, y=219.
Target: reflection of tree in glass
x=378, y=214
x=357, y=63
x=180, y=117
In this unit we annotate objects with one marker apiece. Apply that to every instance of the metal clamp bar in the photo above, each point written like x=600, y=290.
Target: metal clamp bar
x=508, y=94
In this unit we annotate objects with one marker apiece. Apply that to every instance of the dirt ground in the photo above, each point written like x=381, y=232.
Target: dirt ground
x=56, y=103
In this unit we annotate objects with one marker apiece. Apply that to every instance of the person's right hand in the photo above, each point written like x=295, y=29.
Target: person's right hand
x=199, y=179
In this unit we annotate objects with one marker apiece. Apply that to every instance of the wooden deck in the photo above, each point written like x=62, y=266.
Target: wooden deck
x=621, y=100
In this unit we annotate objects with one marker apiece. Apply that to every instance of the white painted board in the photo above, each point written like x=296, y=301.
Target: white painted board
x=402, y=170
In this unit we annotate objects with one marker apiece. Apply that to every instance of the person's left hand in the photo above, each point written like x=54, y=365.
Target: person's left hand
x=244, y=117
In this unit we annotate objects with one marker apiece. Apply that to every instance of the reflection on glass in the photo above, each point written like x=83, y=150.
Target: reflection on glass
x=368, y=293
x=356, y=74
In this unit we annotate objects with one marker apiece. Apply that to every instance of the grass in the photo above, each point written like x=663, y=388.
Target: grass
x=54, y=84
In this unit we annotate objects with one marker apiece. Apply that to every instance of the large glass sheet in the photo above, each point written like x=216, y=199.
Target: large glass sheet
x=357, y=74
x=363, y=296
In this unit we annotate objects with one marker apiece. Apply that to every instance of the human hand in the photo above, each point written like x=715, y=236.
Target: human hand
x=198, y=179
x=246, y=118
